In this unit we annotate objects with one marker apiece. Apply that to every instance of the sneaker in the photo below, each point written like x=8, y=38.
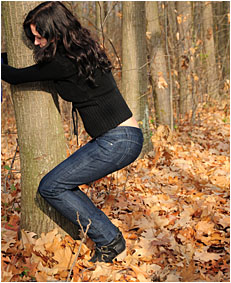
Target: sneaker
x=109, y=252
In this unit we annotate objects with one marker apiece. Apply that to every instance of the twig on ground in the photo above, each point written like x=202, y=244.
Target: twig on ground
x=80, y=246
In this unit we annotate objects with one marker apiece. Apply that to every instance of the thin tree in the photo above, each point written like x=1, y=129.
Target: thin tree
x=222, y=41
x=184, y=20
x=134, y=70
x=40, y=133
x=100, y=19
x=212, y=79
x=158, y=70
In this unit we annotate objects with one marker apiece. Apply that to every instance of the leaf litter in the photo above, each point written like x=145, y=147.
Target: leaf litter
x=172, y=207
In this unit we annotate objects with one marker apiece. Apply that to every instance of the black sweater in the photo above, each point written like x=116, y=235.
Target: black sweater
x=101, y=108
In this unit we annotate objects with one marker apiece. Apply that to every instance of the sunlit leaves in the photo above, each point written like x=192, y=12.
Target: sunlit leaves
x=172, y=207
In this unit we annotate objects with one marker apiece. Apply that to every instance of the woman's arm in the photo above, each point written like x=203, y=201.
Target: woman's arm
x=54, y=70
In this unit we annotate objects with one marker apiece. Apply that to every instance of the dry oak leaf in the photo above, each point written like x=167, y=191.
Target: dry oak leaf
x=140, y=274
x=8, y=234
x=188, y=273
x=44, y=242
x=53, y=246
x=27, y=237
x=159, y=221
x=46, y=238
x=43, y=277
x=220, y=181
x=183, y=164
x=6, y=276
x=64, y=257
x=224, y=221
x=122, y=256
x=150, y=268
x=185, y=218
x=144, y=251
x=162, y=84
x=204, y=256
x=47, y=270
x=204, y=227
x=186, y=234
x=13, y=223
x=214, y=239
x=102, y=269
x=173, y=277
x=6, y=246
x=7, y=198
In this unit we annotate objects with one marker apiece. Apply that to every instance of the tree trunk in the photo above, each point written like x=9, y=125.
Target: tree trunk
x=226, y=34
x=213, y=86
x=173, y=51
x=134, y=71
x=222, y=45
x=158, y=68
x=40, y=133
x=100, y=18
x=184, y=20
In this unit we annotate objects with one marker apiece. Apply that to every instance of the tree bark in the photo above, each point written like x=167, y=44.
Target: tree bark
x=185, y=63
x=134, y=71
x=213, y=86
x=159, y=78
x=173, y=50
x=100, y=19
x=40, y=133
x=222, y=45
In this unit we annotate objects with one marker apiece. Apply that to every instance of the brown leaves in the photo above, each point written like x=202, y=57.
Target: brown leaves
x=47, y=258
x=172, y=207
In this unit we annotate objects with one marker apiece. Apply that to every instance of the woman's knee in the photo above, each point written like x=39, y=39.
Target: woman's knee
x=43, y=188
x=49, y=187
x=46, y=186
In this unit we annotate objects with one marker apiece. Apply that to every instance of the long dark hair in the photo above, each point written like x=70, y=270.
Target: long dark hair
x=57, y=24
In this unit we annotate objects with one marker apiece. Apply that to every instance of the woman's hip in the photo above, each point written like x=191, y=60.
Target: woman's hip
x=103, y=155
x=122, y=145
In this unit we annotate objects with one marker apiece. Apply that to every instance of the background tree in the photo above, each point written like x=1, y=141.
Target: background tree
x=213, y=89
x=221, y=12
x=100, y=19
x=158, y=69
x=171, y=26
x=185, y=62
x=134, y=71
x=40, y=133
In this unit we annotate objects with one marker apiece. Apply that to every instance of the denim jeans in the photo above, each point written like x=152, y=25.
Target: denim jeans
x=101, y=156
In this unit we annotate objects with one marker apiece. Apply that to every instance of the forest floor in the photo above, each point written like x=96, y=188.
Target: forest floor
x=172, y=207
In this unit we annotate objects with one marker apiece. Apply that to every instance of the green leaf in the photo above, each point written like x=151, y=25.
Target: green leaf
x=13, y=188
x=10, y=225
x=25, y=272
x=7, y=167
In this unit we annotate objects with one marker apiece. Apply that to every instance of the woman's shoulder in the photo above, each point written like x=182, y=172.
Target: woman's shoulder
x=63, y=62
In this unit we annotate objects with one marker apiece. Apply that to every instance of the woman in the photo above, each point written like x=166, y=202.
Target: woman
x=82, y=75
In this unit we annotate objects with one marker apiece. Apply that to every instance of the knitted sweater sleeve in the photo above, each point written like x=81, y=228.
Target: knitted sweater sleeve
x=54, y=70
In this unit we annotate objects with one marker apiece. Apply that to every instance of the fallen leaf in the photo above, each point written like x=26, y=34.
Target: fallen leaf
x=204, y=256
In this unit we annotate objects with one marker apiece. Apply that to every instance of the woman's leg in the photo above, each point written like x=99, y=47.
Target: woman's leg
x=60, y=189
x=100, y=157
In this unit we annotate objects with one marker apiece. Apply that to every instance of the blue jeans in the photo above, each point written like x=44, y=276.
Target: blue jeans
x=101, y=156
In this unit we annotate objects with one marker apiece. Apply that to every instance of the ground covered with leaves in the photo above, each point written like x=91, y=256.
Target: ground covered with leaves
x=172, y=207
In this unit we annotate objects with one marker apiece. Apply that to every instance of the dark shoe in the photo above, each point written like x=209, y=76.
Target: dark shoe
x=109, y=252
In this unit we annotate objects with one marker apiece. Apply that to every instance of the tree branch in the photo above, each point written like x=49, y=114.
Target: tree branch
x=80, y=246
